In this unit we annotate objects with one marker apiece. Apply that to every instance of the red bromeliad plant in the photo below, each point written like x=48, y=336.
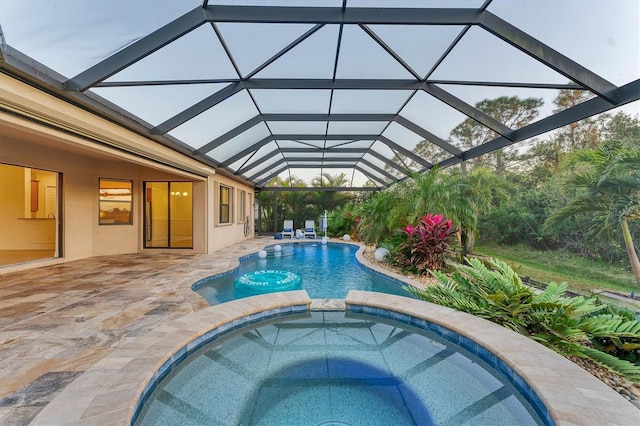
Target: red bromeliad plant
x=426, y=244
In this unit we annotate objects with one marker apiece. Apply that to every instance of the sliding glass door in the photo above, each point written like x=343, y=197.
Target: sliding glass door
x=168, y=214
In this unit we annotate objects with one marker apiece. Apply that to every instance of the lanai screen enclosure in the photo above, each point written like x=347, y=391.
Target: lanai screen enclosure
x=259, y=89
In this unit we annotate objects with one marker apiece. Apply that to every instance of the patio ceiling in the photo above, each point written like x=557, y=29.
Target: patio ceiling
x=261, y=89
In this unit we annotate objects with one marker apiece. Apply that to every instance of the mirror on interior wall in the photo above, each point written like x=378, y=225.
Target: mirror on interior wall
x=29, y=228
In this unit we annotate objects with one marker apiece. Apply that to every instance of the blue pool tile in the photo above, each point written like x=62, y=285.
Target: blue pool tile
x=165, y=369
x=211, y=334
x=469, y=345
x=356, y=308
x=237, y=323
x=136, y=412
x=505, y=369
x=300, y=308
x=403, y=318
x=207, y=280
x=195, y=344
x=273, y=313
x=253, y=317
x=418, y=322
x=487, y=356
x=435, y=328
x=180, y=355
x=541, y=410
x=148, y=388
x=451, y=336
x=224, y=327
x=370, y=310
x=522, y=386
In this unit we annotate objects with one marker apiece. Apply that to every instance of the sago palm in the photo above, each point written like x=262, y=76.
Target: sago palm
x=577, y=326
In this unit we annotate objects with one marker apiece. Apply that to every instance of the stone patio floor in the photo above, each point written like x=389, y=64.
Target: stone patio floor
x=59, y=322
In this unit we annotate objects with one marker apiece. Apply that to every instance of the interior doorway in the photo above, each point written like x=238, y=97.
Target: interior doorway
x=29, y=218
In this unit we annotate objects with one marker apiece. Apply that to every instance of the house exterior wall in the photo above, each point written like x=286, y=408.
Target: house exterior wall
x=47, y=133
x=225, y=234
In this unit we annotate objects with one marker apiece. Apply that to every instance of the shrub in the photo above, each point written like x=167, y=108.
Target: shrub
x=425, y=246
x=579, y=326
x=344, y=220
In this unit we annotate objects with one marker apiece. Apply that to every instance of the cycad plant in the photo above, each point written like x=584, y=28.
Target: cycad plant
x=577, y=326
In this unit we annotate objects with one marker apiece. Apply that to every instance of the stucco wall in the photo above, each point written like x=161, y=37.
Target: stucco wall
x=82, y=235
x=225, y=234
x=47, y=133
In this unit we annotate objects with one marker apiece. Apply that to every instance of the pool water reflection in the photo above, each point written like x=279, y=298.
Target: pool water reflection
x=345, y=368
x=328, y=272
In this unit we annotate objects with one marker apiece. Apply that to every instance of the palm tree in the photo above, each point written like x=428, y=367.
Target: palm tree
x=608, y=191
x=478, y=191
x=393, y=208
x=457, y=198
x=291, y=205
x=330, y=200
x=296, y=205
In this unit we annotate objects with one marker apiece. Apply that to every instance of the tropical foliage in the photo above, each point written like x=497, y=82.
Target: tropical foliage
x=425, y=246
x=506, y=197
x=300, y=205
x=607, y=189
x=578, y=326
x=345, y=220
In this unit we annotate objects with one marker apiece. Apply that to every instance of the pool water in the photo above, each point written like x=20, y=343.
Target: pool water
x=342, y=368
x=328, y=272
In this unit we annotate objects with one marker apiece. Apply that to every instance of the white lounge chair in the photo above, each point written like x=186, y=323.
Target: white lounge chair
x=287, y=229
x=310, y=229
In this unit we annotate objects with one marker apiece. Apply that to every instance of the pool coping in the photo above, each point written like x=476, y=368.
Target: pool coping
x=109, y=392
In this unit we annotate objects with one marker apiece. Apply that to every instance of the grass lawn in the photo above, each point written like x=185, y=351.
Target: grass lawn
x=582, y=275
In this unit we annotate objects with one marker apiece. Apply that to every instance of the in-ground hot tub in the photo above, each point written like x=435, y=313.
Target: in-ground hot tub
x=337, y=368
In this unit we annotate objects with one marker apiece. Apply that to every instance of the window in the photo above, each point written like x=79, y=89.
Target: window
x=226, y=202
x=116, y=201
x=242, y=206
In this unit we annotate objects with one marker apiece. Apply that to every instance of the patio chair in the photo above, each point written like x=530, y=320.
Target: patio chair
x=310, y=229
x=287, y=229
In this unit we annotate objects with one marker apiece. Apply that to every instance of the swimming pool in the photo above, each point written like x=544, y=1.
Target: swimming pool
x=328, y=271
x=334, y=368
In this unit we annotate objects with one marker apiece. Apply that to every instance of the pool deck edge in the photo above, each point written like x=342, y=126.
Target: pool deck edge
x=109, y=391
